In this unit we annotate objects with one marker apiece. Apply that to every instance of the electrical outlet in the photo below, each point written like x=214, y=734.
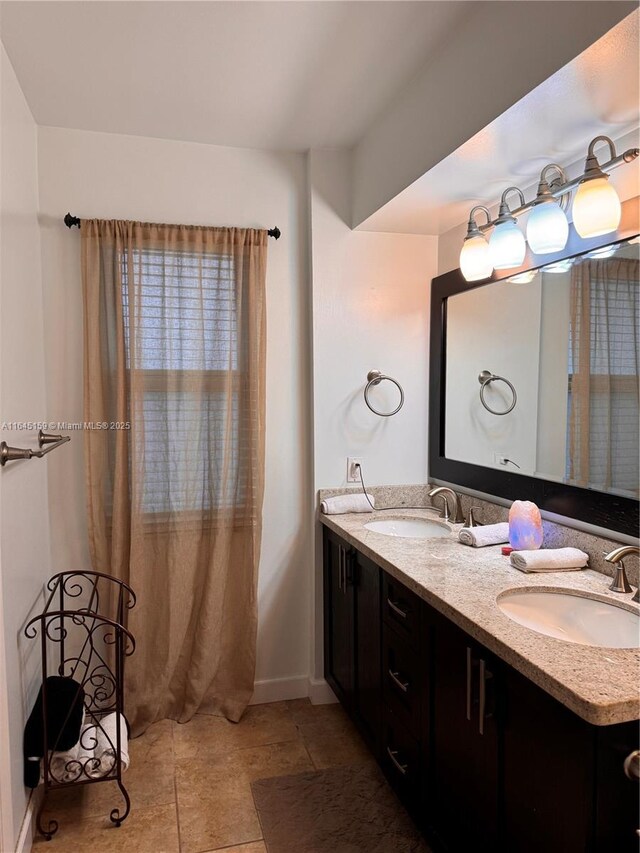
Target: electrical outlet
x=353, y=473
x=500, y=459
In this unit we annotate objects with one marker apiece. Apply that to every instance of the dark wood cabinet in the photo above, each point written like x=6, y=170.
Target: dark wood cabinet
x=352, y=634
x=483, y=758
x=338, y=619
x=365, y=580
x=547, y=771
x=465, y=741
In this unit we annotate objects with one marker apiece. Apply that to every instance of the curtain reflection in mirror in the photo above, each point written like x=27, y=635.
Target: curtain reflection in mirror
x=604, y=365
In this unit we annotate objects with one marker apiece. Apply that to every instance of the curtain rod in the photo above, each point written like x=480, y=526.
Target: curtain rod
x=70, y=221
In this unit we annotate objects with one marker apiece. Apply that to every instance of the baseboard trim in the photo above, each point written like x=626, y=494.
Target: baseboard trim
x=279, y=689
x=320, y=693
x=297, y=687
x=27, y=830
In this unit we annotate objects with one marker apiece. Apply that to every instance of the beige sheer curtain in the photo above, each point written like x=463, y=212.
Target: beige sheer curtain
x=604, y=370
x=174, y=331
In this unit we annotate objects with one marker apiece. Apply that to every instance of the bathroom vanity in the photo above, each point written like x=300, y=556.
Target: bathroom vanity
x=495, y=737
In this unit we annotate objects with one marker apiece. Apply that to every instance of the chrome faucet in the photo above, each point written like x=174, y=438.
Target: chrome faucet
x=620, y=581
x=458, y=515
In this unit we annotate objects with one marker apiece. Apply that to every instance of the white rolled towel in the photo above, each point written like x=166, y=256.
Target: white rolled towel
x=488, y=534
x=550, y=560
x=107, y=743
x=71, y=764
x=347, y=503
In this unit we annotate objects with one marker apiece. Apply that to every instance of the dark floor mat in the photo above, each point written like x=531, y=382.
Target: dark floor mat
x=341, y=810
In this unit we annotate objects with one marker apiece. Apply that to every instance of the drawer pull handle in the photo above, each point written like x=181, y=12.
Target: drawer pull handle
x=468, y=683
x=395, y=677
x=402, y=613
x=485, y=675
x=402, y=768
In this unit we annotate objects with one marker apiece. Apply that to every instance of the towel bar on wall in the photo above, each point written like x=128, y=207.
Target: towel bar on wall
x=10, y=454
x=486, y=378
x=374, y=378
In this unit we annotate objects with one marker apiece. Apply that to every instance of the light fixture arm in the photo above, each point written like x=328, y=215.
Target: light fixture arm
x=592, y=168
x=504, y=213
x=473, y=229
x=546, y=187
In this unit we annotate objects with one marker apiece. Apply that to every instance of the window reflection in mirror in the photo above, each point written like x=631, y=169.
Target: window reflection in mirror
x=567, y=337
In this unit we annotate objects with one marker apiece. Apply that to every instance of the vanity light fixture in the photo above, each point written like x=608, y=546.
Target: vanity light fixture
x=559, y=266
x=507, y=246
x=596, y=207
x=602, y=253
x=596, y=211
x=474, y=257
x=523, y=277
x=547, y=226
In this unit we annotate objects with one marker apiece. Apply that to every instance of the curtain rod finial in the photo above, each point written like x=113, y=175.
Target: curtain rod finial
x=274, y=232
x=70, y=220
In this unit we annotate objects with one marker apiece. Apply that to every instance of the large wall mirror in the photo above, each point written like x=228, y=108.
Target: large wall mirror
x=535, y=385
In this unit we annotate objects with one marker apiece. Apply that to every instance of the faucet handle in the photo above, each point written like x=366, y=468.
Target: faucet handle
x=471, y=520
x=620, y=581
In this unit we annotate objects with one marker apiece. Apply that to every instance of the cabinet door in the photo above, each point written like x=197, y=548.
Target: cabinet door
x=364, y=576
x=338, y=620
x=548, y=772
x=464, y=779
x=617, y=818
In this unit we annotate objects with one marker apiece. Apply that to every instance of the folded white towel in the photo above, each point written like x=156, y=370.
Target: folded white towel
x=488, y=534
x=550, y=560
x=71, y=764
x=347, y=503
x=106, y=745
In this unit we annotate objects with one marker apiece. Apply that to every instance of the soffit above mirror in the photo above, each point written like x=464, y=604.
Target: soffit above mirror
x=598, y=92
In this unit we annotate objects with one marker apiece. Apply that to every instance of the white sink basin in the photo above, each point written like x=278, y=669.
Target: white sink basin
x=576, y=619
x=409, y=528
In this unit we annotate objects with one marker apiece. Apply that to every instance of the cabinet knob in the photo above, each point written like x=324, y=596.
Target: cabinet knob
x=632, y=765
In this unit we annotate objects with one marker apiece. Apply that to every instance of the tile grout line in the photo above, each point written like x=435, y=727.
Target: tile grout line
x=175, y=785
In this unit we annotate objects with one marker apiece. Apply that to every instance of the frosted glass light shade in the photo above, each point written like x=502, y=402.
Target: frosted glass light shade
x=475, y=263
x=547, y=228
x=507, y=246
x=596, y=208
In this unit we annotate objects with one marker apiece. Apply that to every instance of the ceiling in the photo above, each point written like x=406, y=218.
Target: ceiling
x=596, y=93
x=280, y=75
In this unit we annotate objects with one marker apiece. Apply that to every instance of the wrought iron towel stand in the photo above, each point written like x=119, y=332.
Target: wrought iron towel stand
x=89, y=643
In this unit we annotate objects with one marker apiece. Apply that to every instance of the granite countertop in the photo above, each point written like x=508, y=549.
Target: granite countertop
x=601, y=685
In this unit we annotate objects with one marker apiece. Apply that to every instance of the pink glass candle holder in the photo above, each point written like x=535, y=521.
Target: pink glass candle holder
x=525, y=526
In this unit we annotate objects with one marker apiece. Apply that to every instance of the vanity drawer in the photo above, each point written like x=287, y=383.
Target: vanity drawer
x=401, y=759
x=403, y=679
x=401, y=609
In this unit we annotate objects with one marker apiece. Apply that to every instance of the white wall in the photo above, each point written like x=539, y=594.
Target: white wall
x=495, y=328
x=370, y=310
x=24, y=521
x=555, y=318
x=113, y=176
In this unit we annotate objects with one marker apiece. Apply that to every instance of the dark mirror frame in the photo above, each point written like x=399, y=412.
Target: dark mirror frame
x=612, y=512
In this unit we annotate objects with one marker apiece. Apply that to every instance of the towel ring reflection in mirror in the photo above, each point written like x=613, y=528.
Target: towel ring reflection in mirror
x=486, y=378
x=375, y=377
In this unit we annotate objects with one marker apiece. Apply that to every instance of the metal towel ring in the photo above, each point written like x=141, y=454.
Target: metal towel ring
x=375, y=377
x=486, y=378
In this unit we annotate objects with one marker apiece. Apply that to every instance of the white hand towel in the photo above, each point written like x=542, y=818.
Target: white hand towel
x=488, y=534
x=347, y=503
x=71, y=764
x=550, y=560
x=106, y=746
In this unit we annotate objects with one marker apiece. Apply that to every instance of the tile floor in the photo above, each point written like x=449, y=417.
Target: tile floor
x=190, y=785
